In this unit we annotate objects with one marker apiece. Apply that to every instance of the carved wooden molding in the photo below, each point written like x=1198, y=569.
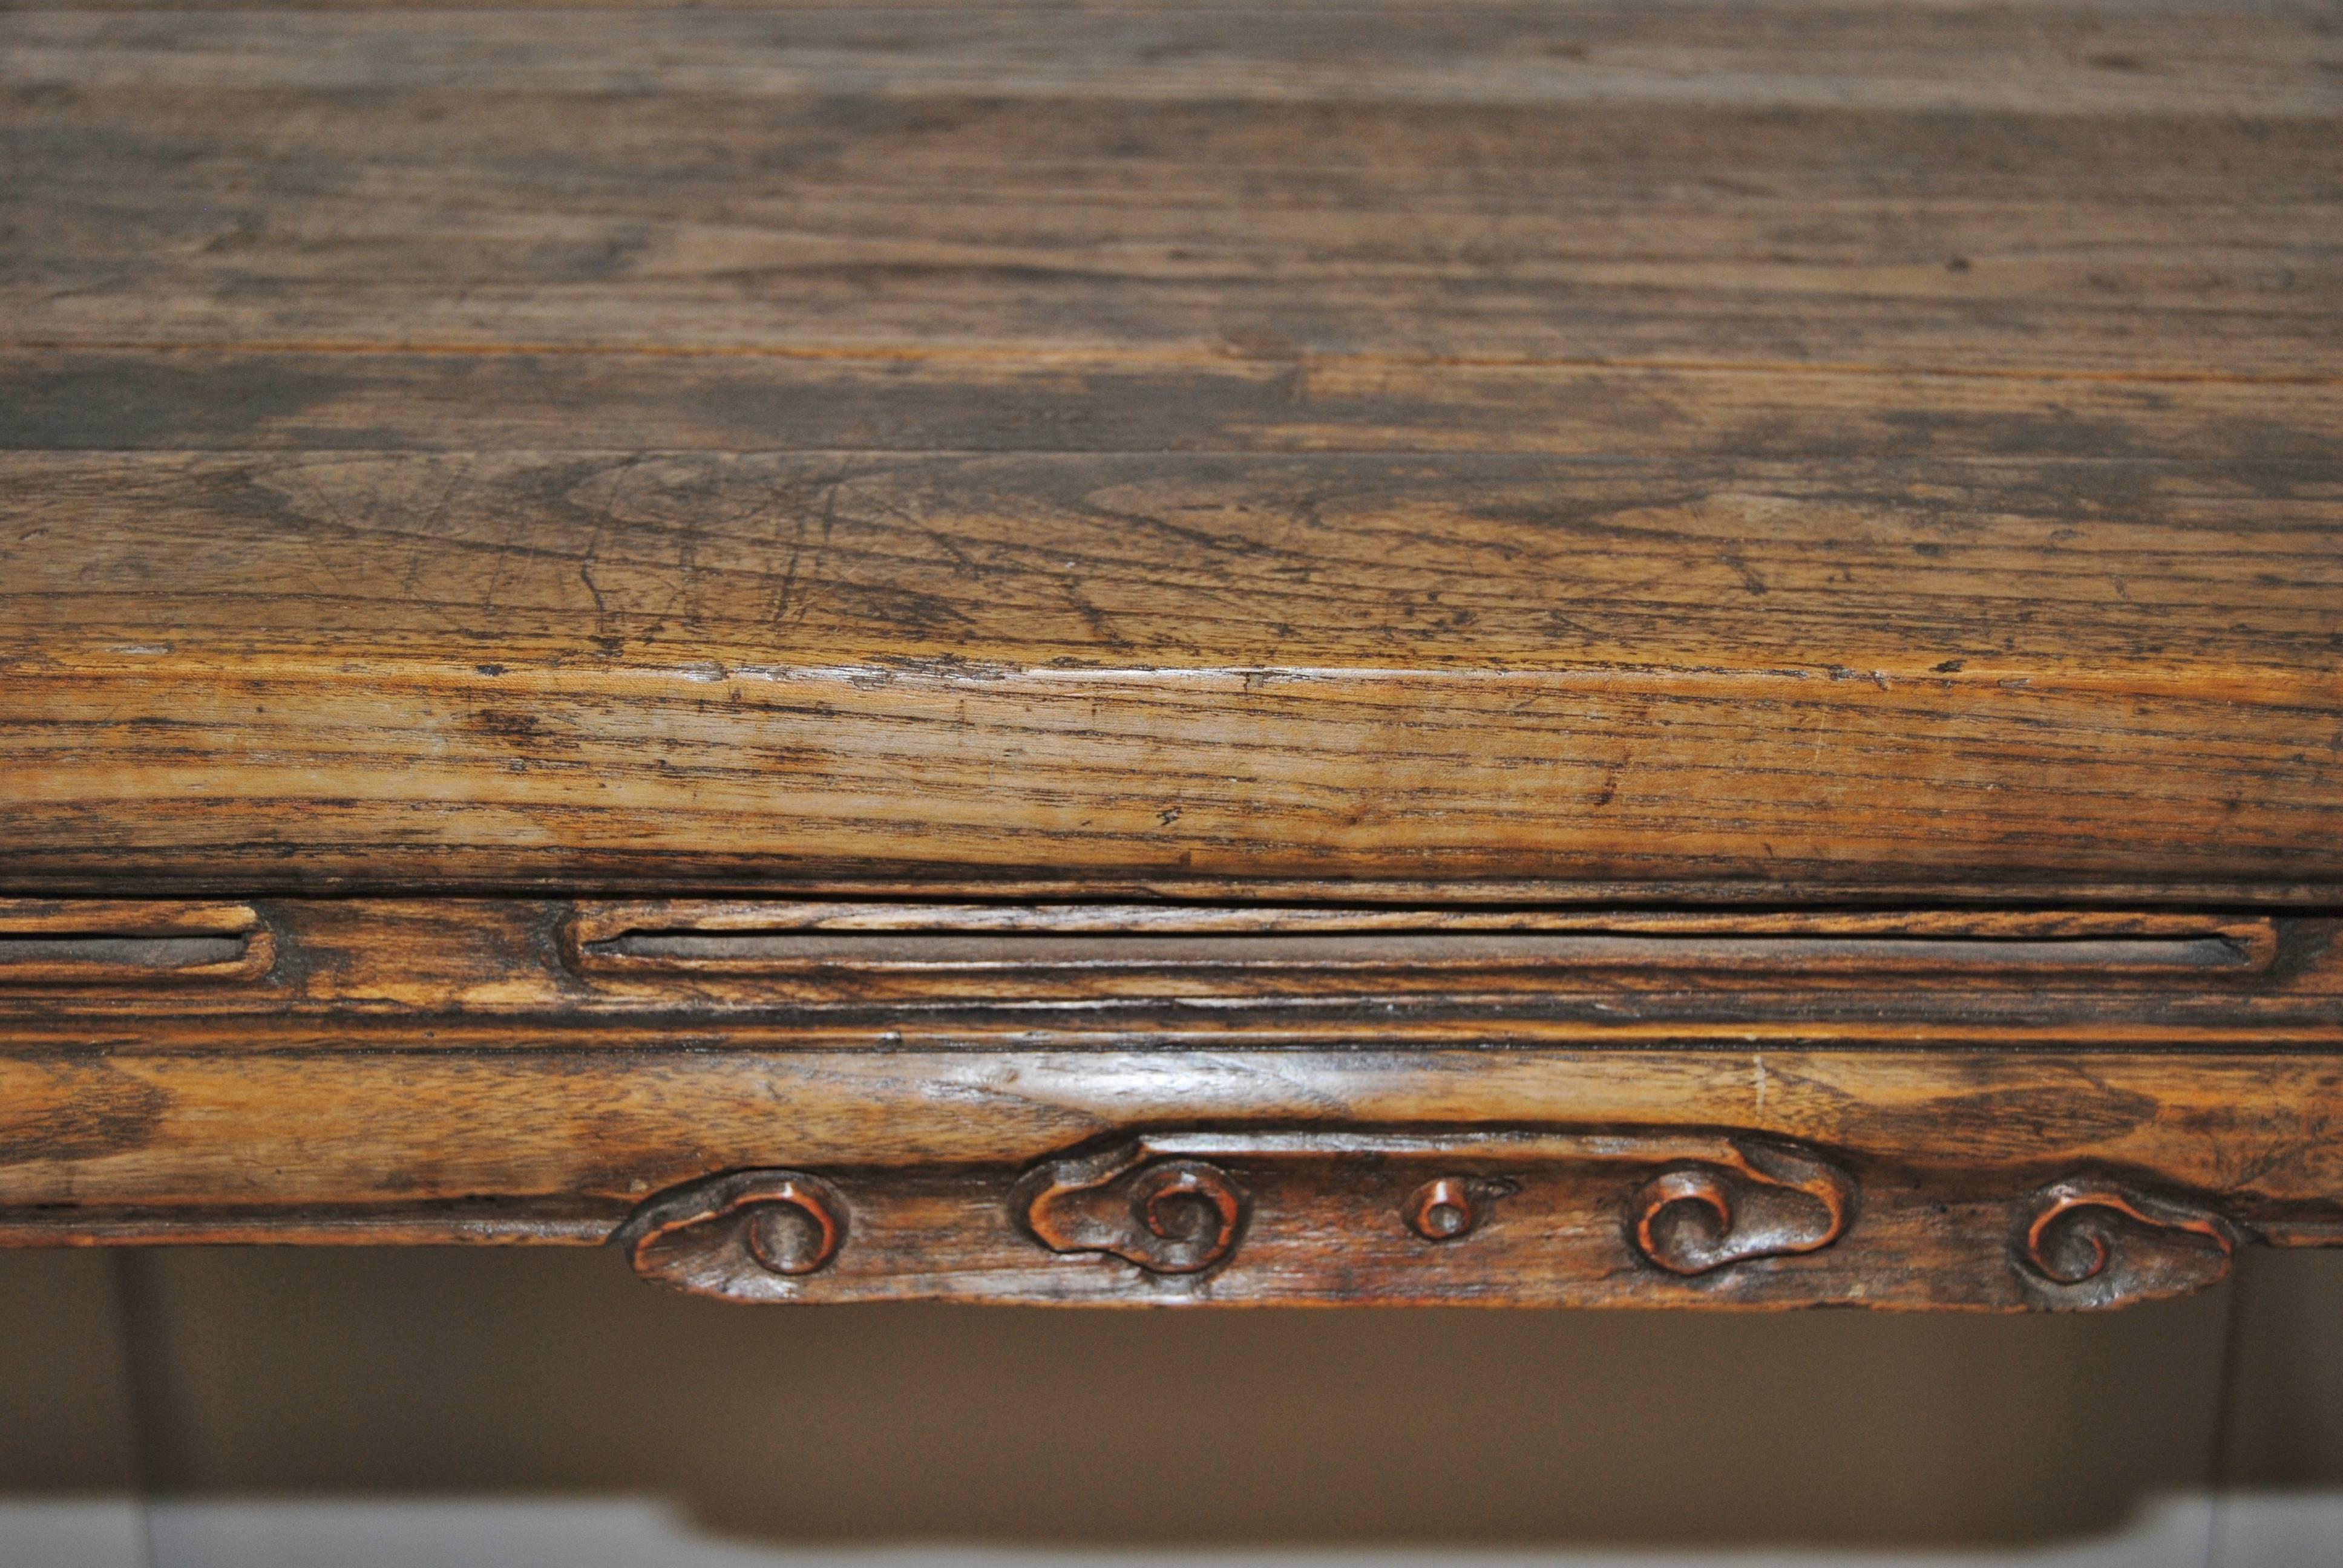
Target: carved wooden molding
x=1162, y=1203
x=838, y=953
x=1624, y=1216
x=1182, y=1206
x=1952, y=1178
x=848, y=972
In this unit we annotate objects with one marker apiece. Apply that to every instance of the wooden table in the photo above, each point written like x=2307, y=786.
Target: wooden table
x=1168, y=654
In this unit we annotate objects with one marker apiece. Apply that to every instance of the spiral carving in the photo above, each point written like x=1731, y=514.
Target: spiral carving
x=2092, y=1242
x=1762, y=1201
x=748, y=1236
x=1175, y=1216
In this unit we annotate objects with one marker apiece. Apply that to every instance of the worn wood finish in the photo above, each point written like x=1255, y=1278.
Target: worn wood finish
x=1194, y=1103
x=648, y=671
x=845, y=1100
x=360, y=974
x=1686, y=179
x=873, y=443
x=1099, y=653
x=1949, y=1178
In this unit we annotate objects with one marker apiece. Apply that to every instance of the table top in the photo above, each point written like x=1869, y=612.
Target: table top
x=1756, y=452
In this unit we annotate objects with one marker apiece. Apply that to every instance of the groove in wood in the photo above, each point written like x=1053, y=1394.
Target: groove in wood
x=128, y=945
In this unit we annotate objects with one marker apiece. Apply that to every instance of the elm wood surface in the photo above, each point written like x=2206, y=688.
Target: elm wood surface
x=1512, y=654
x=358, y=974
x=1949, y=1108
x=1764, y=450
x=1976, y=1177
x=1130, y=667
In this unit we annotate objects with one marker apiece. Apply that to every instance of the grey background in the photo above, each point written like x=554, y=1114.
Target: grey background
x=257, y=1378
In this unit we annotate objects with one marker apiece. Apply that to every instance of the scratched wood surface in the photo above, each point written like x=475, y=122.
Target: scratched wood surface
x=1757, y=451
x=1130, y=653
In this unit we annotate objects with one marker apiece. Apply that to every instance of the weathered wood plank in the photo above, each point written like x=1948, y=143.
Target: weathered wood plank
x=927, y=400
x=510, y=668
x=354, y=189
x=2164, y=574
x=2261, y=60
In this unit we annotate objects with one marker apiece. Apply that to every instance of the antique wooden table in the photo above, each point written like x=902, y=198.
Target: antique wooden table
x=1158, y=654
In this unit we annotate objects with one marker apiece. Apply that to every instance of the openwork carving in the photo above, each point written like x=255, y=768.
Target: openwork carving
x=749, y=1236
x=1171, y=1203
x=2090, y=1242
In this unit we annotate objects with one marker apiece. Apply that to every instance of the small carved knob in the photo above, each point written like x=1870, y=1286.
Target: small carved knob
x=1192, y=1206
x=790, y=1229
x=1443, y=1210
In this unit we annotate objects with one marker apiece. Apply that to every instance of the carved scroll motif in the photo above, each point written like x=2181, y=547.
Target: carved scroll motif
x=1174, y=1216
x=1765, y=1201
x=2088, y=1243
x=745, y=1237
x=1167, y=1202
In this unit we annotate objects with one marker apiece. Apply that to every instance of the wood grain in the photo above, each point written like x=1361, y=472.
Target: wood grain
x=1951, y=1154
x=365, y=974
x=1884, y=188
x=419, y=671
x=1811, y=452
x=1120, y=653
